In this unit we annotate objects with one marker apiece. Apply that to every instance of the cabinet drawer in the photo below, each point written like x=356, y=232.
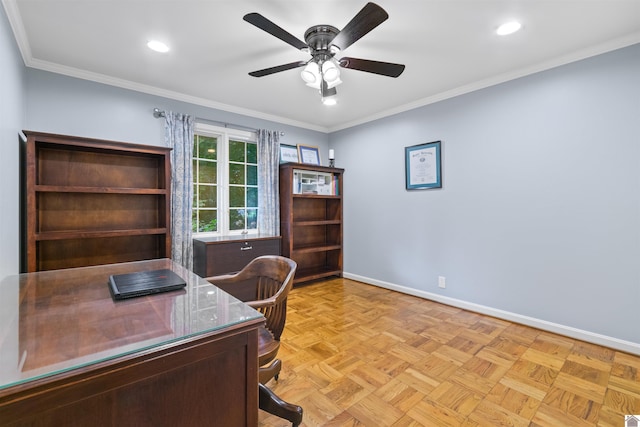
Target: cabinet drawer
x=232, y=256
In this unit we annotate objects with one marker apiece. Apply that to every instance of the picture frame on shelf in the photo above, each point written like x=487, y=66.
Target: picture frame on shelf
x=288, y=153
x=308, y=154
x=423, y=166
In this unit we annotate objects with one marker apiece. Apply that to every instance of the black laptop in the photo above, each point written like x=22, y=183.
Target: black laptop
x=142, y=283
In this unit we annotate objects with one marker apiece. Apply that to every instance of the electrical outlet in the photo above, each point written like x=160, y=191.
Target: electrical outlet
x=442, y=283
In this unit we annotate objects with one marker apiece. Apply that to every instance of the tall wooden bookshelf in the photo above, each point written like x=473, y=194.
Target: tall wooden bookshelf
x=311, y=219
x=90, y=202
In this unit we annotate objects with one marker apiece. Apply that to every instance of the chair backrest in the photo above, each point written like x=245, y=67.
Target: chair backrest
x=264, y=284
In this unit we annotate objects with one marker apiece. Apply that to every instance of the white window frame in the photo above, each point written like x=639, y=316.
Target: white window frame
x=224, y=135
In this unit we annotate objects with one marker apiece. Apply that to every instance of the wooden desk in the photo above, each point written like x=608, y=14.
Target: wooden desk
x=71, y=356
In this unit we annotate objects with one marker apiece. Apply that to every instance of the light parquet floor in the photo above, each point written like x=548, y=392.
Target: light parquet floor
x=358, y=355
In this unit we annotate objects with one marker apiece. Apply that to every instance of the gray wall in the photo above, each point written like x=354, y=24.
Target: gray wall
x=539, y=214
x=12, y=114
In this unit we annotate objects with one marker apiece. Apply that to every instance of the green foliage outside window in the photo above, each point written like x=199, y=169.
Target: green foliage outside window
x=205, y=191
x=243, y=185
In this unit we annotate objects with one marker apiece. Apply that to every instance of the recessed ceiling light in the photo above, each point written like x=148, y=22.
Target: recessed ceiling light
x=158, y=46
x=508, y=28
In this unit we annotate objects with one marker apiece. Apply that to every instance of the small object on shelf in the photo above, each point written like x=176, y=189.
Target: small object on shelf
x=288, y=153
x=313, y=182
x=308, y=154
x=331, y=158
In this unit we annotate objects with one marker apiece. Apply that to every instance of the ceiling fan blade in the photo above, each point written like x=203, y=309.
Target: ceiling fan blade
x=276, y=31
x=277, y=69
x=383, y=68
x=366, y=20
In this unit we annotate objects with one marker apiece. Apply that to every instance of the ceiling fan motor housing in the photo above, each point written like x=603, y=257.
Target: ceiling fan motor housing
x=319, y=38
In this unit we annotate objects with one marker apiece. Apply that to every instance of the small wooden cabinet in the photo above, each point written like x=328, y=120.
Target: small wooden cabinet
x=311, y=219
x=91, y=202
x=213, y=256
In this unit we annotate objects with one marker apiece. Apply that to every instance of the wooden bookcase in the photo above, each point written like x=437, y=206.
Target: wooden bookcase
x=90, y=202
x=311, y=220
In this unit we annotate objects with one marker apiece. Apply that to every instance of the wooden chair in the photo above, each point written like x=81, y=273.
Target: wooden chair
x=264, y=284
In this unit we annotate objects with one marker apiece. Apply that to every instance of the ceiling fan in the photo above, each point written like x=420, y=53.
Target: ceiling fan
x=323, y=42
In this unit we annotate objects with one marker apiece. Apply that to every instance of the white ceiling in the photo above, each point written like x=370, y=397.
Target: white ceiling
x=449, y=47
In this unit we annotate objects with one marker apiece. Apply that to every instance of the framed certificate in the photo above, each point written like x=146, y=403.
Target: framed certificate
x=308, y=154
x=423, y=166
x=288, y=153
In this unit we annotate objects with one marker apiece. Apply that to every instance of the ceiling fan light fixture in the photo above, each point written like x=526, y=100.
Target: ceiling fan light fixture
x=311, y=74
x=508, y=28
x=323, y=42
x=334, y=83
x=330, y=100
x=330, y=73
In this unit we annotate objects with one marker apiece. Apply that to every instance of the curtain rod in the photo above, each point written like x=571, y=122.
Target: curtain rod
x=157, y=113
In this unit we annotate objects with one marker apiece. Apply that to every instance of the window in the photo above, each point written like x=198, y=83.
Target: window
x=225, y=181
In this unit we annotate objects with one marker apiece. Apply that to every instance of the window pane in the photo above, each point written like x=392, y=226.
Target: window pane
x=236, y=197
x=252, y=175
x=236, y=219
x=252, y=153
x=208, y=221
x=208, y=196
x=252, y=218
x=236, y=174
x=207, y=172
x=239, y=173
x=236, y=151
x=252, y=197
x=207, y=147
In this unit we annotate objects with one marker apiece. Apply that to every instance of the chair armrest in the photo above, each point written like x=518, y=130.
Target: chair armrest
x=225, y=278
x=261, y=303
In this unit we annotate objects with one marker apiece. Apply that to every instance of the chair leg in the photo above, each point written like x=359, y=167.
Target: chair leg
x=272, y=371
x=271, y=403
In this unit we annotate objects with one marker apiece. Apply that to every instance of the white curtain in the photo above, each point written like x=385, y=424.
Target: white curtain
x=268, y=182
x=179, y=136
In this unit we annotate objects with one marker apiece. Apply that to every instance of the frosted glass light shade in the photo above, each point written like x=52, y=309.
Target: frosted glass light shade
x=311, y=73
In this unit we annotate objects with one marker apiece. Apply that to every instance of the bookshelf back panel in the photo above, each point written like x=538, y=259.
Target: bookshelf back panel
x=325, y=260
x=308, y=209
x=97, y=169
x=98, y=212
x=316, y=235
x=316, y=209
x=334, y=209
x=55, y=254
x=312, y=260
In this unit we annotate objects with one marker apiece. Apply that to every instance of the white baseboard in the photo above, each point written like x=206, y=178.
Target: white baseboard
x=614, y=343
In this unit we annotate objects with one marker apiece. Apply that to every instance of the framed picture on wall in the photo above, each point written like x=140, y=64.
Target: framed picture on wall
x=423, y=166
x=288, y=153
x=308, y=154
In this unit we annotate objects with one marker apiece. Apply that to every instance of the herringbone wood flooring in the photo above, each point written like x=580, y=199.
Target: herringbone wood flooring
x=358, y=355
